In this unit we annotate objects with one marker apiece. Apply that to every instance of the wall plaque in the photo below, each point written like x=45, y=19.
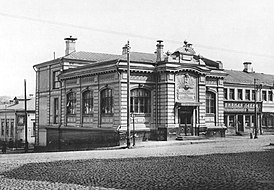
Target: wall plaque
x=185, y=88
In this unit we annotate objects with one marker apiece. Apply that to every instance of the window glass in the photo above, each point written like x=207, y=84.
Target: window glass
x=253, y=94
x=225, y=93
x=240, y=94
x=231, y=94
x=264, y=95
x=71, y=103
x=87, y=102
x=210, y=102
x=56, y=110
x=270, y=96
x=247, y=94
x=106, y=101
x=56, y=83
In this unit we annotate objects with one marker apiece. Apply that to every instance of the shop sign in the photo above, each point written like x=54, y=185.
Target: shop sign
x=242, y=107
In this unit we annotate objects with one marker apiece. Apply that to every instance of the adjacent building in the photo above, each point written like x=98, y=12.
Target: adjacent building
x=13, y=124
x=243, y=90
x=82, y=96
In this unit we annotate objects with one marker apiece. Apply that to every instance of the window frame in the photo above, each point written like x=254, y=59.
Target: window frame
x=240, y=94
x=55, y=80
x=225, y=94
x=56, y=111
x=140, y=101
x=264, y=95
x=87, y=101
x=247, y=97
x=210, y=103
x=106, y=102
x=232, y=94
x=71, y=103
x=270, y=96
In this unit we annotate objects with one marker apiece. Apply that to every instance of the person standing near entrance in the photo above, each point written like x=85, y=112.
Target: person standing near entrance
x=4, y=147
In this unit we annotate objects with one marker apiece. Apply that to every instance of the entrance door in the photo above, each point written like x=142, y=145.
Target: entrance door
x=186, y=120
x=240, y=123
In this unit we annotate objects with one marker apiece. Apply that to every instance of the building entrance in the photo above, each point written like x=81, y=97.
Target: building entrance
x=186, y=120
x=240, y=123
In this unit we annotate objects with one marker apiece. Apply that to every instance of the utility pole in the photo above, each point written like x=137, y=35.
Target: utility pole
x=26, y=118
x=128, y=95
x=255, y=110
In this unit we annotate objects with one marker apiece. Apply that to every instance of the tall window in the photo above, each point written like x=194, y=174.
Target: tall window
x=56, y=110
x=33, y=129
x=106, y=101
x=225, y=93
x=240, y=94
x=56, y=83
x=87, y=102
x=247, y=94
x=7, y=127
x=231, y=94
x=264, y=95
x=71, y=103
x=210, y=102
x=253, y=94
x=140, y=101
x=270, y=96
x=11, y=127
x=2, y=127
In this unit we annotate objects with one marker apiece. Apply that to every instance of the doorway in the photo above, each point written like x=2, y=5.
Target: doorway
x=240, y=123
x=186, y=120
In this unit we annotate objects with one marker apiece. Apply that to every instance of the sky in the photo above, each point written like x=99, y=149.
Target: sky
x=231, y=31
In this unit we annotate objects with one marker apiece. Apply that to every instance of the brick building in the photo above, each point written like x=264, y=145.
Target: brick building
x=82, y=96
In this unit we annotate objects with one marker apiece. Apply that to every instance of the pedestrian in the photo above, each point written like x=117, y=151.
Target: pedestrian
x=4, y=148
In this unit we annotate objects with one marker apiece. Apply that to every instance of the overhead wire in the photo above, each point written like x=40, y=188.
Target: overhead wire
x=128, y=34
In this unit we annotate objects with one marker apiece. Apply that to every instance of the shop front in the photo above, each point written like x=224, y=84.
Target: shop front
x=239, y=117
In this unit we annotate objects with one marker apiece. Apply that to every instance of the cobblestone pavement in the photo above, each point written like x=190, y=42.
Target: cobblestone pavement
x=222, y=163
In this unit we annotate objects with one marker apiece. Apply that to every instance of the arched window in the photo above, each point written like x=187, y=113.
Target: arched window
x=71, y=103
x=106, y=101
x=140, y=101
x=210, y=102
x=87, y=102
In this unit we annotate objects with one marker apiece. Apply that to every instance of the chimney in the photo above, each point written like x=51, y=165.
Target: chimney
x=124, y=50
x=247, y=67
x=159, y=51
x=70, y=45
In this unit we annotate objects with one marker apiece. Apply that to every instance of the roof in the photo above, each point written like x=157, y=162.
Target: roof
x=248, y=78
x=21, y=105
x=98, y=57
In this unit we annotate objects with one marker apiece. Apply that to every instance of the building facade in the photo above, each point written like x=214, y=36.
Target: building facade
x=12, y=117
x=243, y=90
x=84, y=92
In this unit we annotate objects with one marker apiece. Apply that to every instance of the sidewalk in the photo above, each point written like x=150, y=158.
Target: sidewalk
x=188, y=140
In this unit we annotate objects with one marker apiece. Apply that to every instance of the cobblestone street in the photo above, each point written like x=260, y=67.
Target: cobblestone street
x=222, y=163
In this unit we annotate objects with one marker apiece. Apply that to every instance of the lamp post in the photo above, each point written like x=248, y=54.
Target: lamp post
x=256, y=88
x=128, y=95
x=26, y=117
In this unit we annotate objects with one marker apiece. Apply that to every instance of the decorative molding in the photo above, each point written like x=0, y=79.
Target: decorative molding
x=85, y=80
x=71, y=82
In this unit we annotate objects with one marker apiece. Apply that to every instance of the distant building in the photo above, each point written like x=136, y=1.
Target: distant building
x=12, y=117
x=240, y=90
x=82, y=96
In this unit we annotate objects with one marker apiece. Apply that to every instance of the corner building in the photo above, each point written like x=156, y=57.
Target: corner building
x=81, y=98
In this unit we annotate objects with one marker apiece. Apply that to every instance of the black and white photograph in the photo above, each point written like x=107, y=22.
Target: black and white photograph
x=137, y=94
